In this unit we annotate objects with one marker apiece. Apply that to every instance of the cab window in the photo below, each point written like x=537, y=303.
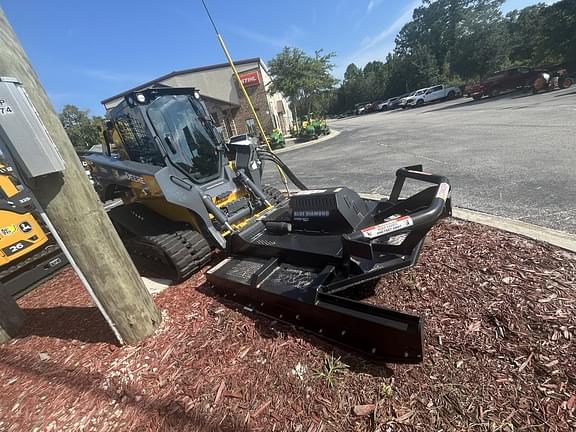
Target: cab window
x=137, y=141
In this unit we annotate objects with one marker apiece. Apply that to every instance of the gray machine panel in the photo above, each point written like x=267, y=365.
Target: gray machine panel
x=23, y=133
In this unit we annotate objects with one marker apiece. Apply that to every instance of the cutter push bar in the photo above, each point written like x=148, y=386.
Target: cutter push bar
x=305, y=262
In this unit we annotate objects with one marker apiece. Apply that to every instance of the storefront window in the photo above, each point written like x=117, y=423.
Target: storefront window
x=251, y=126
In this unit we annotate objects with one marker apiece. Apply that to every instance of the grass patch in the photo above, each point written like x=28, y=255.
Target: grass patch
x=331, y=366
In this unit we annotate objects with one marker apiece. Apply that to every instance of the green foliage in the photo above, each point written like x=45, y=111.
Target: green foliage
x=83, y=130
x=386, y=390
x=306, y=80
x=459, y=41
x=558, y=38
x=525, y=28
x=330, y=368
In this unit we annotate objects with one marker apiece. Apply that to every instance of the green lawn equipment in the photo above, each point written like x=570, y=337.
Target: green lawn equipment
x=277, y=140
x=320, y=127
x=307, y=131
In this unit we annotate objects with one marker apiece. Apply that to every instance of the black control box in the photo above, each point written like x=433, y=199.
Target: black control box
x=335, y=210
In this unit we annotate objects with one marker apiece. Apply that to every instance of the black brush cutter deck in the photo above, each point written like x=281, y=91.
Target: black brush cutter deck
x=304, y=262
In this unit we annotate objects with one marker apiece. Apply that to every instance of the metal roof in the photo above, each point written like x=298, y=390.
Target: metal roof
x=182, y=72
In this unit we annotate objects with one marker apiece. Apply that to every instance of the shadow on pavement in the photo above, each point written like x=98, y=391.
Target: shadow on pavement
x=566, y=94
x=482, y=101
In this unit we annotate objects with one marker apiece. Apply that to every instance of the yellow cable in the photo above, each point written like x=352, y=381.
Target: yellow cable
x=241, y=84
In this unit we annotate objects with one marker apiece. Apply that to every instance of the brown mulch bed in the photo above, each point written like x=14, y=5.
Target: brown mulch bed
x=500, y=355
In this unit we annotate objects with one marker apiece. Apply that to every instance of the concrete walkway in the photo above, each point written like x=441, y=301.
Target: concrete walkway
x=295, y=146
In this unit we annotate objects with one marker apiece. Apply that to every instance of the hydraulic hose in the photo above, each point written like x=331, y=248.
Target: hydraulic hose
x=269, y=156
x=293, y=178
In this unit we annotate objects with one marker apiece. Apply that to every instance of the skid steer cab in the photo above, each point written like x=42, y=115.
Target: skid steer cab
x=302, y=259
x=182, y=196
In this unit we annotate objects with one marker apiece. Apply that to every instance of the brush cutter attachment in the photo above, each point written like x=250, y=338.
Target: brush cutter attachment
x=307, y=263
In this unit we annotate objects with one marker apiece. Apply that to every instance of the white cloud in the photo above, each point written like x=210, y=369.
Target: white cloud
x=294, y=32
x=360, y=58
x=373, y=4
x=370, y=41
x=256, y=36
x=376, y=47
x=510, y=5
x=112, y=76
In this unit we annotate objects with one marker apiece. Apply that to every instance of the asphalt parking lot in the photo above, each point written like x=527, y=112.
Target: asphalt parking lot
x=512, y=156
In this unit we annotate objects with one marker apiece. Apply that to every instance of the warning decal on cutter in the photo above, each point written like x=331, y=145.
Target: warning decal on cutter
x=443, y=191
x=388, y=227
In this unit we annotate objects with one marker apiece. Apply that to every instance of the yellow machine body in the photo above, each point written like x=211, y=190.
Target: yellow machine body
x=20, y=233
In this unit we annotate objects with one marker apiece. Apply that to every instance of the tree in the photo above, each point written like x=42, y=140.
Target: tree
x=352, y=73
x=304, y=79
x=457, y=41
x=465, y=37
x=353, y=87
x=375, y=77
x=525, y=29
x=558, y=36
x=413, y=71
x=484, y=45
x=82, y=130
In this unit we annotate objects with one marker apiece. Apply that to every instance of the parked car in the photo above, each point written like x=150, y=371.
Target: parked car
x=371, y=107
x=509, y=79
x=359, y=108
x=434, y=94
x=411, y=100
x=402, y=96
x=404, y=99
x=556, y=79
x=389, y=104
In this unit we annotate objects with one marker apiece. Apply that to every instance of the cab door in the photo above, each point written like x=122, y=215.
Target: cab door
x=434, y=93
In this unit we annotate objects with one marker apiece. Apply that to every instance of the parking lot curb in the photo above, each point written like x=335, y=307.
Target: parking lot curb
x=333, y=134
x=547, y=235
x=155, y=285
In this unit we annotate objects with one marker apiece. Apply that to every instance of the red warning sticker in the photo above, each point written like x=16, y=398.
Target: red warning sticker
x=388, y=227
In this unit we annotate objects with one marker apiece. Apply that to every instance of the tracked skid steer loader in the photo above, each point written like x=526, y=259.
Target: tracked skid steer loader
x=299, y=259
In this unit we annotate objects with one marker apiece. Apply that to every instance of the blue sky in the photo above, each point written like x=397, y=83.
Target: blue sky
x=85, y=51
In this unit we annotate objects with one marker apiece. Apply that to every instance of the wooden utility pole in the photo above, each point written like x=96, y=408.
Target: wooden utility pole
x=78, y=218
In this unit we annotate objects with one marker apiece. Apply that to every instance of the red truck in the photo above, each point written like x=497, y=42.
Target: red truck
x=509, y=79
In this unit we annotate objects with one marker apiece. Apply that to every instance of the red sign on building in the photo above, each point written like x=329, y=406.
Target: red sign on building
x=250, y=78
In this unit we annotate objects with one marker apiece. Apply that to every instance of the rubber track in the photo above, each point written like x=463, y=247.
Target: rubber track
x=184, y=251
x=29, y=261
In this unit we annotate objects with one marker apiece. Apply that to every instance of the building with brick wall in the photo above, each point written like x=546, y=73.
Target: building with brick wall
x=223, y=96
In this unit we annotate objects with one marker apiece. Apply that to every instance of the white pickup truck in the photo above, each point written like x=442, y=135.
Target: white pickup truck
x=432, y=94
